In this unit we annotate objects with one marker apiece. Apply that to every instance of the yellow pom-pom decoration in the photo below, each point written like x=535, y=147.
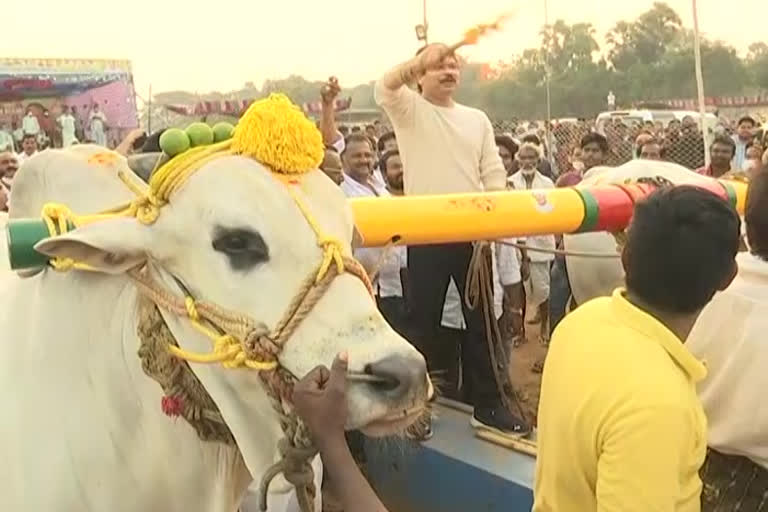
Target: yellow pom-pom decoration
x=276, y=132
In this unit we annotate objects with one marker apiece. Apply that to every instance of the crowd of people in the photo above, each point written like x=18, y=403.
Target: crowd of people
x=61, y=129
x=679, y=140
x=21, y=140
x=434, y=145
x=634, y=446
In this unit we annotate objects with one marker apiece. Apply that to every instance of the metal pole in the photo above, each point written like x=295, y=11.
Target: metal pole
x=546, y=81
x=149, y=110
x=426, y=26
x=700, y=80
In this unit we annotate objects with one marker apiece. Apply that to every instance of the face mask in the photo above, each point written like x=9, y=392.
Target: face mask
x=528, y=172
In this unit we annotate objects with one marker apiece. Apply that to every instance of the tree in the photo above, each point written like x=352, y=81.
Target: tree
x=757, y=63
x=568, y=47
x=644, y=40
x=723, y=71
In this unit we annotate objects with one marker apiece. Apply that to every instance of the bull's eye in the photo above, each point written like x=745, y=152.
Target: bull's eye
x=243, y=247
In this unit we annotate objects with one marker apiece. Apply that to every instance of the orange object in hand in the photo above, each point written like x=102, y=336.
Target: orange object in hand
x=472, y=35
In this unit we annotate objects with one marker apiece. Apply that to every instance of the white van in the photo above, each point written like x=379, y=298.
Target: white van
x=631, y=117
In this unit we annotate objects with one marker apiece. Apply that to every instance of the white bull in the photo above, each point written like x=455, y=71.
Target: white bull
x=82, y=427
x=596, y=277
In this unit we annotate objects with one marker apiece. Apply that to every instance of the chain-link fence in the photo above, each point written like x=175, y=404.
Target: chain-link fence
x=678, y=140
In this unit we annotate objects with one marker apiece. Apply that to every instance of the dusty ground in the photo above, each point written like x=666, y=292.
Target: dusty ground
x=527, y=383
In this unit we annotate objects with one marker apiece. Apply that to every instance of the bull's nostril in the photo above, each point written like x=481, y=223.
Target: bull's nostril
x=387, y=382
x=399, y=375
x=385, y=385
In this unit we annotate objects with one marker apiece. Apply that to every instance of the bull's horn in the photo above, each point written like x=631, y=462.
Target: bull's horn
x=144, y=163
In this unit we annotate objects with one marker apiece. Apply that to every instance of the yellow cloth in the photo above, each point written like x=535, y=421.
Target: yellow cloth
x=620, y=426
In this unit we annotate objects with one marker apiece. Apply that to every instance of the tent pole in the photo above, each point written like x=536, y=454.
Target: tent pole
x=149, y=111
x=700, y=81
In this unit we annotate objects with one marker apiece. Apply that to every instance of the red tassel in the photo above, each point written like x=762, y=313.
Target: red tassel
x=172, y=405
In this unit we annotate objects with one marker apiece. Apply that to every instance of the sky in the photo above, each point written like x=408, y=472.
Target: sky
x=222, y=45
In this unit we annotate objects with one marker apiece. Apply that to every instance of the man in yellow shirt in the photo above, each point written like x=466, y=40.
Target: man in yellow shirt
x=621, y=428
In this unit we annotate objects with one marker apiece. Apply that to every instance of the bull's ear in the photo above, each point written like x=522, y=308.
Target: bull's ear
x=112, y=246
x=144, y=164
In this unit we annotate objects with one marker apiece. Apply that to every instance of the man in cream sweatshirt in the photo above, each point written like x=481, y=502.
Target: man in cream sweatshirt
x=445, y=148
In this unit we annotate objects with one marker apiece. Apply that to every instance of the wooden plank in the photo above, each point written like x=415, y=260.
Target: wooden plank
x=520, y=445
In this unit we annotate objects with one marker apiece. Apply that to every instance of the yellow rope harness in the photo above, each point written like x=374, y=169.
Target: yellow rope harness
x=275, y=133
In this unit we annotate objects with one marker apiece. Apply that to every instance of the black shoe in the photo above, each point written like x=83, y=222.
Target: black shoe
x=498, y=419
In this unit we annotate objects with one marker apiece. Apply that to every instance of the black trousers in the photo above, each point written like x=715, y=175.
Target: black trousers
x=395, y=312
x=560, y=292
x=430, y=269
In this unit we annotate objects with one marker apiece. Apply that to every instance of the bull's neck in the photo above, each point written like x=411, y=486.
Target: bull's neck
x=238, y=393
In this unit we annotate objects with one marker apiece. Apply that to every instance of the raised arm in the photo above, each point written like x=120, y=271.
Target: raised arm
x=403, y=74
x=328, y=128
x=391, y=92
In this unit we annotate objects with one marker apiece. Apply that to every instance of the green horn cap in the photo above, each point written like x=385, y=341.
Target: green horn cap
x=22, y=236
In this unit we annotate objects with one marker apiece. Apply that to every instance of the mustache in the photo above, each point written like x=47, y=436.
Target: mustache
x=448, y=79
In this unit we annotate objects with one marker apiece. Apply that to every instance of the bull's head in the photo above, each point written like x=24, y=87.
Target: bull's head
x=234, y=236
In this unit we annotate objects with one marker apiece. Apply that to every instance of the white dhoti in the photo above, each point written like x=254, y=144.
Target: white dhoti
x=67, y=139
x=98, y=136
x=537, y=286
x=98, y=133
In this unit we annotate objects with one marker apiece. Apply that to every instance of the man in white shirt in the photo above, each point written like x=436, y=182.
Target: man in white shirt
x=67, y=126
x=97, y=123
x=28, y=147
x=445, y=148
x=387, y=265
x=536, y=264
x=6, y=139
x=744, y=135
x=30, y=125
x=730, y=335
x=8, y=167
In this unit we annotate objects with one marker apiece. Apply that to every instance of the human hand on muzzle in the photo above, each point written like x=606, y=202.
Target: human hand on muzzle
x=320, y=399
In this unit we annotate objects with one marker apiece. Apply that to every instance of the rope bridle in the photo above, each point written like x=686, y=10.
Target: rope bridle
x=238, y=341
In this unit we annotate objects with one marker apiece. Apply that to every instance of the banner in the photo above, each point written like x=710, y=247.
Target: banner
x=65, y=65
